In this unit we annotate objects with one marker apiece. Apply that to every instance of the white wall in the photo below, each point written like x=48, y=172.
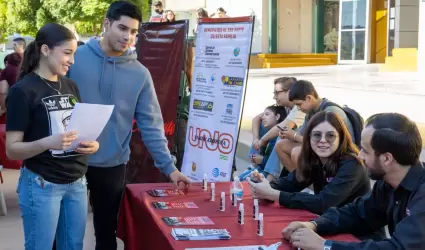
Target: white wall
x=421, y=42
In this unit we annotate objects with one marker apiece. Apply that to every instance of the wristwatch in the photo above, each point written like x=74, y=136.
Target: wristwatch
x=327, y=245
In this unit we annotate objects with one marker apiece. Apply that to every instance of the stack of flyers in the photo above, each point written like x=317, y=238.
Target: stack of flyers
x=200, y=234
x=174, y=205
x=165, y=192
x=186, y=221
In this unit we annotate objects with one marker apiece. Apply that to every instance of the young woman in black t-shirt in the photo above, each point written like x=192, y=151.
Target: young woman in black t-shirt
x=52, y=188
x=328, y=161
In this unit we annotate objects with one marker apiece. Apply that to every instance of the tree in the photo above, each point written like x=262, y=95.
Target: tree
x=3, y=20
x=21, y=16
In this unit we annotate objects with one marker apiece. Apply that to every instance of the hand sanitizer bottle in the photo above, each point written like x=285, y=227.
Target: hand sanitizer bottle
x=237, y=188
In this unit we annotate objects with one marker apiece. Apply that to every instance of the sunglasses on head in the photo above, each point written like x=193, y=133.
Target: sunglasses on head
x=330, y=136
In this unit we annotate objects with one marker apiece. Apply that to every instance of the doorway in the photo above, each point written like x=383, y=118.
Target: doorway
x=353, y=32
x=289, y=26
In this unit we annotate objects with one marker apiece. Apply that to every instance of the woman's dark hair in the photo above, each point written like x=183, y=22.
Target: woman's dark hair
x=309, y=163
x=52, y=35
x=174, y=16
x=301, y=89
x=221, y=10
x=123, y=8
x=5, y=59
x=397, y=135
x=278, y=110
x=202, y=13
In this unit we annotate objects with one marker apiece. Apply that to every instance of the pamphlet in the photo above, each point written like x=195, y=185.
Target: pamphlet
x=165, y=192
x=200, y=234
x=186, y=221
x=229, y=248
x=174, y=205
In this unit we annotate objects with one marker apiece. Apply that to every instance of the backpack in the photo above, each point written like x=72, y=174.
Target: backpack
x=354, y=117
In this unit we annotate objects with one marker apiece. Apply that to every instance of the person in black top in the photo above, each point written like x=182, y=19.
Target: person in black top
x=328, y=161
x=391, y=146
x=52, y=188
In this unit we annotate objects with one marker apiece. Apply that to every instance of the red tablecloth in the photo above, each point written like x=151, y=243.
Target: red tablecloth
x=3, y=158
x=140, y=225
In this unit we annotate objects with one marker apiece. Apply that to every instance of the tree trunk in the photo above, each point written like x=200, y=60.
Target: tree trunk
x=95, y=31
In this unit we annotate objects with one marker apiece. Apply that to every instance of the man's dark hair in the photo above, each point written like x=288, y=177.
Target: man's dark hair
x=157, y=4
x=123, y=8
x=285, y=82
x=79, y=43
x=301, y=89
x=21, y=41
x=397, y=135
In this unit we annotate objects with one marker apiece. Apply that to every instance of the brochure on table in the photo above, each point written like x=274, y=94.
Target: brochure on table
x=218, y=87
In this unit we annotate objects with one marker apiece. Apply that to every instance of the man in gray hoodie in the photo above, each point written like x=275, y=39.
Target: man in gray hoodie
x=107, y=72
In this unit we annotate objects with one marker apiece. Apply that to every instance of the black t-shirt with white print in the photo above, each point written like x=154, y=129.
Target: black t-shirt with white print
x=39, y=111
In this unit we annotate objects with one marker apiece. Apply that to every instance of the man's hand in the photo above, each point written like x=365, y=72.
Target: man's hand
x=307, y=239
x=179, y=180
x=294, y=226
x=263, y=190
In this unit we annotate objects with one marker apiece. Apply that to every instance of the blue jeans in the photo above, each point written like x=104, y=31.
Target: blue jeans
x=273, y=163
x=261, y=133
x=50, y=210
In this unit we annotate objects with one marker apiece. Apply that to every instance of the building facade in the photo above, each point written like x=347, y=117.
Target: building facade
x=356, y=31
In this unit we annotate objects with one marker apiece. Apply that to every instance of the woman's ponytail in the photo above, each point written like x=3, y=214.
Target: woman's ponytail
x=30, y=61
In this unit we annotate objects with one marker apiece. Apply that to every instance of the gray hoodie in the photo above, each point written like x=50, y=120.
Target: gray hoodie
x=124, y=82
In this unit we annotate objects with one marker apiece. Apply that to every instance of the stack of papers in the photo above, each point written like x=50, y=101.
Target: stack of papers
x=200, y=234
x=228, y=248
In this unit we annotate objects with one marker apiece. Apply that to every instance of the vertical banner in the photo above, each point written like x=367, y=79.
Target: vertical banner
x=223, y=47
x=161, y=49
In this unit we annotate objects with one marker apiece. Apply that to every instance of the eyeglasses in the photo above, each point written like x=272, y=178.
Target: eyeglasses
x=330, y=137
x=275, y=93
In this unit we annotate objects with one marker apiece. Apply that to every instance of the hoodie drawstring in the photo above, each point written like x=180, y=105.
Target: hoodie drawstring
x=105, y=61
x=113, y=83
x=102, y=74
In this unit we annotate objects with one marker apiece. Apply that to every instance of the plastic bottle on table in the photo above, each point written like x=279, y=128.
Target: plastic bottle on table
x=237, y=188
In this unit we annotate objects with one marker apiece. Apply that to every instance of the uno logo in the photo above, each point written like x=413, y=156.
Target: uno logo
x=203, y=138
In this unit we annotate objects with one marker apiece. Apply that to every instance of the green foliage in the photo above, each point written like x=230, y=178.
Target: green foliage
x=27, y=16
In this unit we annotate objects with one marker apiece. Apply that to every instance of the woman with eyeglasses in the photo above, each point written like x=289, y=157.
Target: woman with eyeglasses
x=328, y=161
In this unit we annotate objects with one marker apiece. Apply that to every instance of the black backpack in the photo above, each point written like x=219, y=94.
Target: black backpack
x=354, y=117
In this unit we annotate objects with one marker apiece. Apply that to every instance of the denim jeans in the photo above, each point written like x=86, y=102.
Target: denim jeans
x=261, y=133
x=273, y=163
x=52, y=210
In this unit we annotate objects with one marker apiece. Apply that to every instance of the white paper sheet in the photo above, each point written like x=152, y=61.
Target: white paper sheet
x=89, y=120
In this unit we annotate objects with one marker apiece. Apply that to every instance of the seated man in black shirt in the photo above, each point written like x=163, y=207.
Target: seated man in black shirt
x=391, y=145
